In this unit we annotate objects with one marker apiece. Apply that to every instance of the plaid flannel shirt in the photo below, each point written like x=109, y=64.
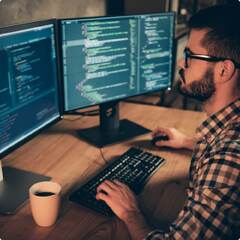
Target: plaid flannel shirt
x=212, y=209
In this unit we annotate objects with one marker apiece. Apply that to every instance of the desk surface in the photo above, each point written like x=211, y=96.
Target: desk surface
x=59, y=153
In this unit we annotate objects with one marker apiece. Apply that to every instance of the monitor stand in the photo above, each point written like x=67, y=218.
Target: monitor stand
x=111, y=129
x=14, y=187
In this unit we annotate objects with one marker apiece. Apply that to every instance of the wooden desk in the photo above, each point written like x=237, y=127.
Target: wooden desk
x=59, y=153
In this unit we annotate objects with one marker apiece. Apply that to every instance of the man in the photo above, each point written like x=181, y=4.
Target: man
x=210, y=72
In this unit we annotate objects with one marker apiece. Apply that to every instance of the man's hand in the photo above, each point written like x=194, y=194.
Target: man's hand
x=124, y=204
x=118, y=197
x=176, y=138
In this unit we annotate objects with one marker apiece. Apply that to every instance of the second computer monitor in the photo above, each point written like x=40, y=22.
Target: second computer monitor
x=113, y=58
x=29, y=100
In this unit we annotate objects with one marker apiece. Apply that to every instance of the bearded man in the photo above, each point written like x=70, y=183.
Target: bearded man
x=210, y=73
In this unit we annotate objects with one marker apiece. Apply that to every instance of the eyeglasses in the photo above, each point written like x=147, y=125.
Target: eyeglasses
x=188, y=55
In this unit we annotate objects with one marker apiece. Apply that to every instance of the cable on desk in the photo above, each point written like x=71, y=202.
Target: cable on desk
x=104, y=159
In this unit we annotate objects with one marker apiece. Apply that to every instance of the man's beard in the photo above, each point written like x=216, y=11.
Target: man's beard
x=201, y=89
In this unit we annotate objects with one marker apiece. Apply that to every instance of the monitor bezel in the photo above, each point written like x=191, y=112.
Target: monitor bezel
x=59, y=26
x=23, y=26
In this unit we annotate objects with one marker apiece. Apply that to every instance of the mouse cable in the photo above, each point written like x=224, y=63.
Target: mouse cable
x=104, y=159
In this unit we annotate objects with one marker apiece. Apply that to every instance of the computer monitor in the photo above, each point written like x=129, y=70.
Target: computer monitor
x=108, y=59
x=29, y=99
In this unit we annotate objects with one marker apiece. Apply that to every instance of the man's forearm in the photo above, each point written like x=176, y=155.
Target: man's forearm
x=136, y=225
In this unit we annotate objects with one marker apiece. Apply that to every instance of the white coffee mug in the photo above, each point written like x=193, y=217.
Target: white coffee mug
x=45, y=202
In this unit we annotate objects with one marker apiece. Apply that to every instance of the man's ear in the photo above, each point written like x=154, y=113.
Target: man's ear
x=225, y=70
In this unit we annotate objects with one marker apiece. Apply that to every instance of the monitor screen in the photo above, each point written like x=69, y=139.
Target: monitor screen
x=29, y=99
x=112, y=58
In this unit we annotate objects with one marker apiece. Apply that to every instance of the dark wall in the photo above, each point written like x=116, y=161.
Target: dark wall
x=115, y=7
x=145, y=6
x=19, y=11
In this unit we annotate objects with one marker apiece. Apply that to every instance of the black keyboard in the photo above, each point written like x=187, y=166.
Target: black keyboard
x=133, y=168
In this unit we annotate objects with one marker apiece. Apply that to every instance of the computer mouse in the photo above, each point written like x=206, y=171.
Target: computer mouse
x=159, y=138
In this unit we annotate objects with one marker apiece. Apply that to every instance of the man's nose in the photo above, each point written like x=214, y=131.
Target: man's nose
x=181, y=63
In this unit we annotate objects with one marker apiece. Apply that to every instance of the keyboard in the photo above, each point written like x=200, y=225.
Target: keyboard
x=133, y=168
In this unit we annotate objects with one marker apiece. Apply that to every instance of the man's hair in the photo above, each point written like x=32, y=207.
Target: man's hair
x=223, y=25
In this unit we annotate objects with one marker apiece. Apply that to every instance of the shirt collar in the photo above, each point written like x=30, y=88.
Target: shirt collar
x=211, y=127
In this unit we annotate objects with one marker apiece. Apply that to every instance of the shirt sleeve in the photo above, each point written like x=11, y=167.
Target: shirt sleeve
x=212, y=207
x=208, y=214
